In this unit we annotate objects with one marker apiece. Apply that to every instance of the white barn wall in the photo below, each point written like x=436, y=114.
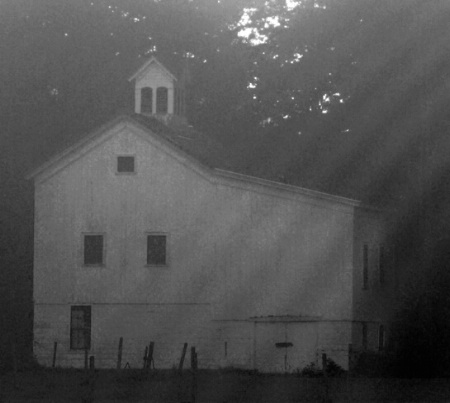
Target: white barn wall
x=236, y=250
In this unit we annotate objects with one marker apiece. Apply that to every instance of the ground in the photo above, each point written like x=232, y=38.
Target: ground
x=58, y=385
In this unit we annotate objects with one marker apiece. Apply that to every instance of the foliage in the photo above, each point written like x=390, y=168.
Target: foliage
x=422, y=327
x=312, y=370
x=375, y=364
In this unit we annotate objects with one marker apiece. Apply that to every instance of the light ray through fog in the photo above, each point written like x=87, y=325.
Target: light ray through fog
x=393, y=151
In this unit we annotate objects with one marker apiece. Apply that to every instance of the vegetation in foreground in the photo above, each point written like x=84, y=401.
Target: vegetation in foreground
x=65, y=385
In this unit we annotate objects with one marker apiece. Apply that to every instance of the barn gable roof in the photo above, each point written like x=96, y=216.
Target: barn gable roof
x=200, y=152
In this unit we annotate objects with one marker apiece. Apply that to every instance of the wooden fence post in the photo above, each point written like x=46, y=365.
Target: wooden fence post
x=183, y=354
x=194, y=367
x=151, y=347
x=325, y=376
x=350, y=357
x=145, y=357
x=192, y=358
x=324, y=363
x=90, y=381
x=119, y=354
x=55, y=347
x=14, y=361
x=86, y=358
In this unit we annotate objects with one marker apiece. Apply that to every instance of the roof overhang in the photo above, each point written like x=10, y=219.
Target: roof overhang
x=285, y=319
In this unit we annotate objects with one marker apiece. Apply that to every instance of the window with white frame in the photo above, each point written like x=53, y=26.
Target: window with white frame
x=80, y=327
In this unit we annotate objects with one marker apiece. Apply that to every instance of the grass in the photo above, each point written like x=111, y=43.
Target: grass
x=227, y=386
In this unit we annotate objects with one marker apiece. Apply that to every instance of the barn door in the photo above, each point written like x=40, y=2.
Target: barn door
x=285, y=346
x=268, y=356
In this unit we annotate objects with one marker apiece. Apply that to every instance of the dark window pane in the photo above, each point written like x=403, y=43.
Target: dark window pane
x=162, y=100
x=93, y=249
x=364, y=336
x=382, y=264
x=77, y=318
x=125, y=164
x=146, y=100
x=177, y=101
x=80, y=327
x=381, y=337
x=365, y=266
x=156, y=249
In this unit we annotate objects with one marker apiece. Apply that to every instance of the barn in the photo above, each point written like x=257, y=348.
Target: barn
x=142, y=234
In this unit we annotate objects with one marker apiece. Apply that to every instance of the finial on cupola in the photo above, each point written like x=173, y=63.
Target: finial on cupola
x=159, y=90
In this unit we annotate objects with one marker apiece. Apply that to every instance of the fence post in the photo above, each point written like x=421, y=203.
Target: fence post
x=325, y=376
x=119, y=354
x=324, y=363
x=90, y=381
x=14, y=361
x=350, y=357
x=194, y=367
x=193, y=358
x=86, y=358
x=55, y=347
x=183, y=354
x=151, y=347
x=145, y=357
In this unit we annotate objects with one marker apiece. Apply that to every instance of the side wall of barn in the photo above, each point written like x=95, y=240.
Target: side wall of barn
x=374, y=281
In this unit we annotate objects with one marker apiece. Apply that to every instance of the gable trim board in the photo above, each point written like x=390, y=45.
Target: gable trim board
x=237, y=177
x=142, y=70
x=212, y=175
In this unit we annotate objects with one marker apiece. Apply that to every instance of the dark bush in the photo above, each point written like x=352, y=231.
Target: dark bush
x=421, y=329
x=313, y=371
x=374, y=364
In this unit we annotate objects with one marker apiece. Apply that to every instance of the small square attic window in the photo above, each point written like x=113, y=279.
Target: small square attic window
x=125, y=164
x=156, y=250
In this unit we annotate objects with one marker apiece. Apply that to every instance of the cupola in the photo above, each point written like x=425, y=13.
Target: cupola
x=159, y=90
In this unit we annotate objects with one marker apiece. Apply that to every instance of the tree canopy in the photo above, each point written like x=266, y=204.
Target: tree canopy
x=331, y=93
